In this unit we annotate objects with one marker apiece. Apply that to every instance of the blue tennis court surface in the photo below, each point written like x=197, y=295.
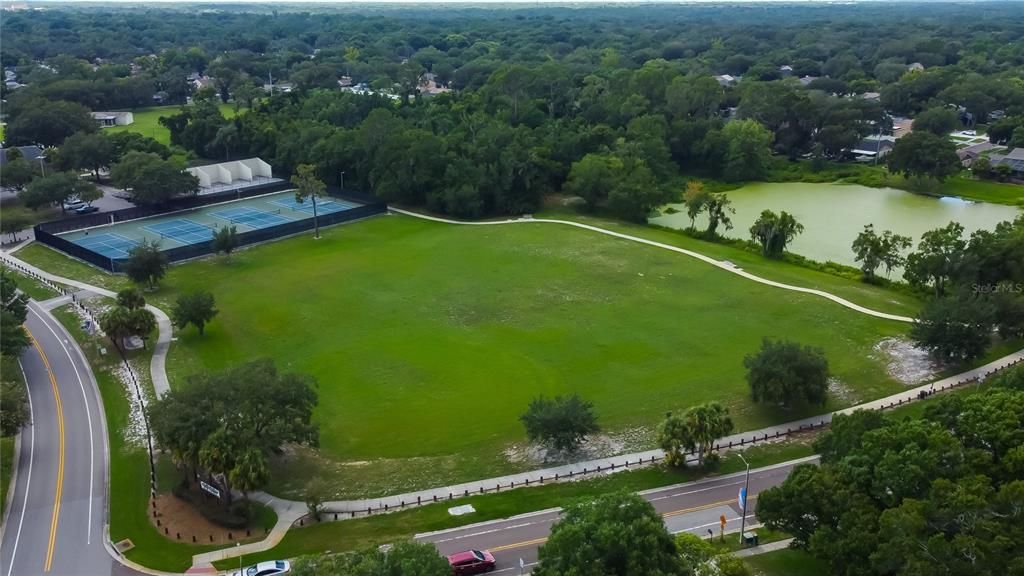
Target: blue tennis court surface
x=322, y=206
x=182, y=230
x=250, y=217
x=109, y=244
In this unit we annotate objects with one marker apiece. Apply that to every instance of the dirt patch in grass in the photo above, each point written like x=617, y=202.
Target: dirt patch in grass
x=905, y=362
x=178, y=520
x=598, y=446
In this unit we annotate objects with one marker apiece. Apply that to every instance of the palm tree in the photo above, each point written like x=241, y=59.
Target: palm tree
x=706, y=423
x=117, y=324
x=250, y=471
x=697, y=429
x=218, y=455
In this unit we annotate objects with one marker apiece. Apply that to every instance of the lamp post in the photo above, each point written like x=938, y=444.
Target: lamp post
x=42, y=166
x=343, y=180
x=746, y=486
x=237, y=544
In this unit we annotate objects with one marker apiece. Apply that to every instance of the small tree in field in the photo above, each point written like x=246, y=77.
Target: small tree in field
x=785, y=372
x=308, y=186
x=697, y=429
x=225, y=240
x=316, y=494
x=562, y=422
x=774, y=231
x=146, y=264
x=196, y=308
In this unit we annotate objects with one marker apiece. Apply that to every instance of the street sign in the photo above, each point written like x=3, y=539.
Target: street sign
x=742, y=499
x=210, y=489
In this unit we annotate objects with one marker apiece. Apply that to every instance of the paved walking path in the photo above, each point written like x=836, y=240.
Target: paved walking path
x=157, y=365
x=602, y=465
x=727, y=266
x=288, y=513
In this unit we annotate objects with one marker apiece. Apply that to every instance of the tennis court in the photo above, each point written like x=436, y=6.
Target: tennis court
x=109, y=245
x=251, y=217
x=323, y=206
x=197, y=226
x=182, y=230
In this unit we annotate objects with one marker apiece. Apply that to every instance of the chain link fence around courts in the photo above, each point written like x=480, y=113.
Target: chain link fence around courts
x=46, y=232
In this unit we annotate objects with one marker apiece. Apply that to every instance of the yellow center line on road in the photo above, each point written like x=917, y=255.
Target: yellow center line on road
x=60, y=457
x=665, y=515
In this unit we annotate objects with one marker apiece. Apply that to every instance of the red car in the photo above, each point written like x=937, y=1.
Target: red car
x=471, y=562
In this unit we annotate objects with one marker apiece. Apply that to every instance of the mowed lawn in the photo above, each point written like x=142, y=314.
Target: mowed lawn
x=429, y=340
x=147, y=121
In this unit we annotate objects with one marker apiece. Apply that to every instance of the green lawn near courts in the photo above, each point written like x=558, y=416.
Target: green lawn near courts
x=786, y=562
x=429, y=340
x=147, y=121
x=35, y=289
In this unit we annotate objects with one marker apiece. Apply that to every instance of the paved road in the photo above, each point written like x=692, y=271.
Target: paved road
x=57, y=517
x=694, y=507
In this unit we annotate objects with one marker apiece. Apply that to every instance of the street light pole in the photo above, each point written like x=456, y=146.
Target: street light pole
x=42, y=166
x=342, y=180
x=746, y=496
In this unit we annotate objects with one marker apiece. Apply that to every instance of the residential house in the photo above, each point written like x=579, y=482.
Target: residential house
x=279, y=87
x=1014, y=159
x=786, y=70
x=108, y=119
x=31, y=153
x=428, y=85
x=915, y=67
x=805, y=80
x=727, y=80
x=971, y=153
x=873, y=147
x=345, y=81
x=871, y=96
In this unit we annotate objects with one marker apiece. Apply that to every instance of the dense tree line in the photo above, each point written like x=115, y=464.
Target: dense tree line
x=609, y=104
x=938, y=495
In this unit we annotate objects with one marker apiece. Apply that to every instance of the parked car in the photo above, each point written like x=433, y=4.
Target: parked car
x=471, y=562
x=86, y=209
x=74, y=205
x=271, y=568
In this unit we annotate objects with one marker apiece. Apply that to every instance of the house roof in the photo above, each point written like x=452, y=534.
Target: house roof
x=30, y=153
x=868, y=146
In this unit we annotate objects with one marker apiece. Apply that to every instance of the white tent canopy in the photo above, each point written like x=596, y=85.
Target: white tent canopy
x=234, y=172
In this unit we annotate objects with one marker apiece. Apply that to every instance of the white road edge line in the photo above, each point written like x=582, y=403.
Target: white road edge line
x=28, y=478
x=88, y=416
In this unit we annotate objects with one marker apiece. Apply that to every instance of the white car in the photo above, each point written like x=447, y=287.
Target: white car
x=271, y=568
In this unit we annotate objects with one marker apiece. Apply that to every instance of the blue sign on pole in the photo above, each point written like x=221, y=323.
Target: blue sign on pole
x=742, y=499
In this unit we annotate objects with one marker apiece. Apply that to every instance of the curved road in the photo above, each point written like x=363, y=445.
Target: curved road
x=56, y=523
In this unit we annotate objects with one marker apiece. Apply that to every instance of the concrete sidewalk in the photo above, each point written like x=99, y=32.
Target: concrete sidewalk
x=157, y=365
x=603, y=465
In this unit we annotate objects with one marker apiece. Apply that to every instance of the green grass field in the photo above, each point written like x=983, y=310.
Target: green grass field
x=6, y=462
x=429, y=340
x=786, y=563
x=147, y=121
